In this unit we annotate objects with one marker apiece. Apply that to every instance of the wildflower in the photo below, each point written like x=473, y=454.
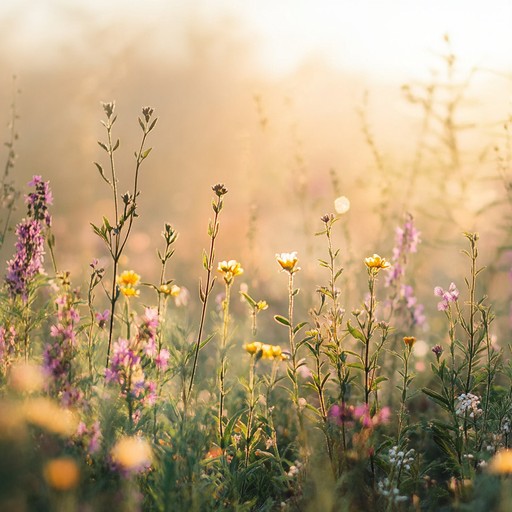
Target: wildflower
x=28, y=260
x=102, y=318
x=162, y=359
x=468, y=403
x=61, y=474
x=288, y=261
x=127, y=282
x=438, y=350
x=133, y=454
x=409, y=341
x=89, y=437
x=375, y=263
x=417, y=311
x=220, y=189
x=341, y=205
x=171, y=290
x=46, y=414
x=39, y=200
x=230, y=269
x=447, y=296
x=253, y=347
x=26, y=378
x=182, y=298
x=501, y=463
x=401, y=459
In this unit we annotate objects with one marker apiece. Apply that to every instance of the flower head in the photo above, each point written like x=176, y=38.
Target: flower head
x=447, y=296
x=265, y=351
x=169, y=289
x=133, y=454
x=127, y=282
x=375, y=263
x=409, y=341
x=61, y=474
x=230, y=269
x=501, y=463
x=288, y=261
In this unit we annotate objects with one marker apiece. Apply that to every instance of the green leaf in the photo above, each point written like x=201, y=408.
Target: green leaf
x=249, y=299
x=356, y=333
x=298, y=327
x=440, y=399
x=282, y=320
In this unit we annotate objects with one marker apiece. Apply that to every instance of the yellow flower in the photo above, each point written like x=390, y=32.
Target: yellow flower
x=501, y=463
x=47, y=415
x=27, y=377
x=288, y=261
x=127, y=282
x=171, y=290
x=132, y=453
x=253, y=348
x=128, y=278
x=230, y=269
x=409, y=341
x=62, y=474
x=375, y=263
x=266, y=351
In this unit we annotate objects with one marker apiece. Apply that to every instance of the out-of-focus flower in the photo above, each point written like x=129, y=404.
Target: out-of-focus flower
x=102, y=318
x=409, y=341
x=62, y=474
x=447, y=296
x=170, y=289
x=182, y=298
x=288, y=261
x=341, y=205
x=132, y=454
x=230, y=269
x=376, y=263
x=46, y=414
x=26, y=377
x=128, y=282
x=265, y=351
x=501, y=463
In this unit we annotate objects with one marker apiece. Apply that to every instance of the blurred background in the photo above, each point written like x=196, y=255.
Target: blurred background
x=400, y=106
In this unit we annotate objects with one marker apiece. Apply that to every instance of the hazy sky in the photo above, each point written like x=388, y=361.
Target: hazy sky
x=393, y=39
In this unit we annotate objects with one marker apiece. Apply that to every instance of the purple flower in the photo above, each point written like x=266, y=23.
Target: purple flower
x=162, y=359
x=447, y=296
x=102, y=318
x=39, y=200
x=28, y=260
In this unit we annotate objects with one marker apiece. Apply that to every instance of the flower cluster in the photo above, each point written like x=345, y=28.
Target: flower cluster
x=265, y=351
x=468, y=403
x=28, y=260
x=447, y=296
x=128, y=282
x=401, y=459
x=348, y=414
x=416, y=310
x=39, y=200
x=59, y=353
x=89, y=437
x=386, y=489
